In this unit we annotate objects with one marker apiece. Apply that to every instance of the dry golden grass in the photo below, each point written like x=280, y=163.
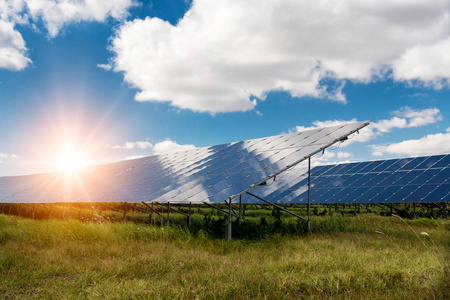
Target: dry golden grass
x=73, y=260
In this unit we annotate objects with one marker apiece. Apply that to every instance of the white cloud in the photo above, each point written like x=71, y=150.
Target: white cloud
x=341, y=154
x=166, y=146
x=105, y=67
x=405, y=117
x=12, y=46
x=431, y=144
x=134, y=145
x=429, y=63
x=169, y=146
x=7, y=156
x=134, y=157
x=221, y=53
x=56, y=14
x=329, y=157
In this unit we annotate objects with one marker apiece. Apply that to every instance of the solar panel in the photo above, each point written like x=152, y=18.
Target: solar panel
x=416, y=179
x=210, y=174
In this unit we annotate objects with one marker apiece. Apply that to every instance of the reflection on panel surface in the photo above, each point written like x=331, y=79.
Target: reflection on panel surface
x=209, y=174
x=415, y=179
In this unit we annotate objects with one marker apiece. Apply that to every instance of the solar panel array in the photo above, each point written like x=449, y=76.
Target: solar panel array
x=406, y=180
x=209, y=174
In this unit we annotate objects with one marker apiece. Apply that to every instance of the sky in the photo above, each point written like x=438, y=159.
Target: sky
x=101, y=81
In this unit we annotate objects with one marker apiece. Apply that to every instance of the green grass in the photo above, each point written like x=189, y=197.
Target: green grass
x=343, y=258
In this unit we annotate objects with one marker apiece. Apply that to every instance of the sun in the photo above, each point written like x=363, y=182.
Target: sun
x=71, y=161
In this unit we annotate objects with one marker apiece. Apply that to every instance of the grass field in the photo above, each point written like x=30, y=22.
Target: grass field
x=369, y=256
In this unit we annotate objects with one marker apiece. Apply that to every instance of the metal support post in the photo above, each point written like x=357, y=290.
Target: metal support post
x=125, y=212
x=168, y=214
x=189, y=217
x=150, y=216
x=229, y=221
x=309, y=193
x=240, y=209
x=50, y=212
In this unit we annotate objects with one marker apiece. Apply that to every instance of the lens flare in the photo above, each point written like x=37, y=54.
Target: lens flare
x=70, y=160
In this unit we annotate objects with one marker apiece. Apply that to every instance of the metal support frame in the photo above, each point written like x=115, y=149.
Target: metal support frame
x=125, y=212
x=309, y=193
x=188, y=215
x=229, y=227
x=280, y=207
x=222, y=210
x=168, y=213
x=171, y=208
x=153, y=211
x=240, y=209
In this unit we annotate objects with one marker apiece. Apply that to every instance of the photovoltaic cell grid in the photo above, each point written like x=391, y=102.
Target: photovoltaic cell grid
x=209, y=174
x=406, y=180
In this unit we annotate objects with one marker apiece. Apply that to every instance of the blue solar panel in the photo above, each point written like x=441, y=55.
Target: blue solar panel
x=418, y=179
x=210, y=174
x=444, y=162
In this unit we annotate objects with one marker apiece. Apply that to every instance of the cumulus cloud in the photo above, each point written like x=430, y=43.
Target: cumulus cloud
x=329, y=157
x=12, y=45
x=166, y=146
x=7, y=156
x=105, y=67
x=223, y=54
x=428, y=63
x=134, y=145
x=54, y=15
x=134, y=157
x=12, y=48
x=405, y=117
x=431, y=144
x=169, y=146
x=341, y=154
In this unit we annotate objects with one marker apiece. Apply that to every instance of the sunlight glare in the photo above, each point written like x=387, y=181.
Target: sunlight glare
x=71, y=161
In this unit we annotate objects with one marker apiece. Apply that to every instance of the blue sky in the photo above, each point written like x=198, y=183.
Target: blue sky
x=122, y=79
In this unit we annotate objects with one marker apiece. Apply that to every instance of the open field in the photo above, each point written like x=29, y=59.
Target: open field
x=368, y=256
